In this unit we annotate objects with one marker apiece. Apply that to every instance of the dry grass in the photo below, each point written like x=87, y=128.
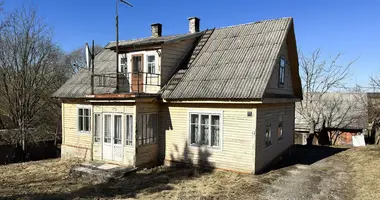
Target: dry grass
x=48, y=177
x=49, y=180
x=365, y=171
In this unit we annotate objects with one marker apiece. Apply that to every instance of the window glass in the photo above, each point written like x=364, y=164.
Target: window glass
x=129, y=130
x=194, y=128
x=151, y=64
x=282, y=71
x=84, y=119
x=268, y=134
x=123, y=64
x=149, y=127
x=107, y=128
x=280, y=127
x=98, y=125
x=205, y=130
x=117, y=129
x=215, y=130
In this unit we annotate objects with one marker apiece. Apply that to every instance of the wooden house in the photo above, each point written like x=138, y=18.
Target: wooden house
x=222, y=97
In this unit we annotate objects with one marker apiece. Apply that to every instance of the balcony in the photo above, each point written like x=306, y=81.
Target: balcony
x=131, y=83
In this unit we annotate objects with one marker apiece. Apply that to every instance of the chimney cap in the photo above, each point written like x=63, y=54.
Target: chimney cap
x=155, y=24
x=189, y=18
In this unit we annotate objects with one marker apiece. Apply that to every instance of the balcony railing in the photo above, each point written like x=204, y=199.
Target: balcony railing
x=131, y=82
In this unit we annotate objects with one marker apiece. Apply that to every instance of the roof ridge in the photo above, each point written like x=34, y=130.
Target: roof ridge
x=255, y=22
x=144, y=38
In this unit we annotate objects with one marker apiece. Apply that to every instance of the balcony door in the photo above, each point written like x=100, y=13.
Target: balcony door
x=112, y=137
x=137, y=73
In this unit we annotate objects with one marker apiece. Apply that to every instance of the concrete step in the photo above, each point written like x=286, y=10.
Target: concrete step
x=100, y=171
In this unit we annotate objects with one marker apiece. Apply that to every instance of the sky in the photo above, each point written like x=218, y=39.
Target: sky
x=348, y=27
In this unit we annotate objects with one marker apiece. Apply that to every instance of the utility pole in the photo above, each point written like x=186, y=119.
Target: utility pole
x=117, y=40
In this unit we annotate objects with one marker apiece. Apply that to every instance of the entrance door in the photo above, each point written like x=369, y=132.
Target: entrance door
x=112, y=137
x=137, y=73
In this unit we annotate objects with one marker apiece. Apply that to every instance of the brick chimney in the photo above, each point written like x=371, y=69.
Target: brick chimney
x=193, y=24
x=156, y=30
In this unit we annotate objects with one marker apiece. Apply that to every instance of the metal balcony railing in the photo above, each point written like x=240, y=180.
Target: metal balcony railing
x=131, y=82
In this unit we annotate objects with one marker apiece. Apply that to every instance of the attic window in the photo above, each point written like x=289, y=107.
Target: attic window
x=281, y=77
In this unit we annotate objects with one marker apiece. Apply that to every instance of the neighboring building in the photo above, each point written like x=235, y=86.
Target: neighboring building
x=221, y=97
x=345, y=114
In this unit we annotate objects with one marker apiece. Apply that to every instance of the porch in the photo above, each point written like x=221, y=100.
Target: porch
x=126, y=134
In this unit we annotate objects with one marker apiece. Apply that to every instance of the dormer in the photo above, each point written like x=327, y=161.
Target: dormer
x=146, y=64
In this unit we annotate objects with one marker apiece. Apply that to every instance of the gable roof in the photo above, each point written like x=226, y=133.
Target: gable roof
x=235, y=63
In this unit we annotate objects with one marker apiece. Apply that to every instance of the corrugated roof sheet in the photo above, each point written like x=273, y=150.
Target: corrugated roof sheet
x=79, y=85
x=235, y=63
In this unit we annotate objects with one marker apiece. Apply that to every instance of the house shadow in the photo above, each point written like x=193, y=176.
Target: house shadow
x=304, y=155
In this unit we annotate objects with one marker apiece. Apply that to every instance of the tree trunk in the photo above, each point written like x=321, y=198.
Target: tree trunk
x=311, y=132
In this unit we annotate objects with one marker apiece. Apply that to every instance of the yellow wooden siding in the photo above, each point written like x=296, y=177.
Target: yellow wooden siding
x=236, y=152
x=97, y=151
x=264, y=155
x=70, y=124
x=171, y=57
x=147, y=154
x=273, y=86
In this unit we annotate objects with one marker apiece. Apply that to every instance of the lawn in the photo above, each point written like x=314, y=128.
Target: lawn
x=49, y=179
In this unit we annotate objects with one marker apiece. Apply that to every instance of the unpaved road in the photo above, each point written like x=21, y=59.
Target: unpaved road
x=327, y=178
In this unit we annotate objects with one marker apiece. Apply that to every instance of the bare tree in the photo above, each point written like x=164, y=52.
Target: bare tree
x=28, y=70
x=319, y=77
x=77, y=58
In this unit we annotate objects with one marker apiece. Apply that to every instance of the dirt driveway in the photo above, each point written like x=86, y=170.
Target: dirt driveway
x=313, y=173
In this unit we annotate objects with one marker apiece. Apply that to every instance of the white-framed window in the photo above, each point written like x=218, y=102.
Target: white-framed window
x=107, y=128
x=205, y=129
x=124, y=64
x=84, y=119
x=128, y=130
x=280, y=126
x=268, y=132
x=117, y=129
x=97, y=127
x=281, y=78
x=148, y=134
x=151, y=62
